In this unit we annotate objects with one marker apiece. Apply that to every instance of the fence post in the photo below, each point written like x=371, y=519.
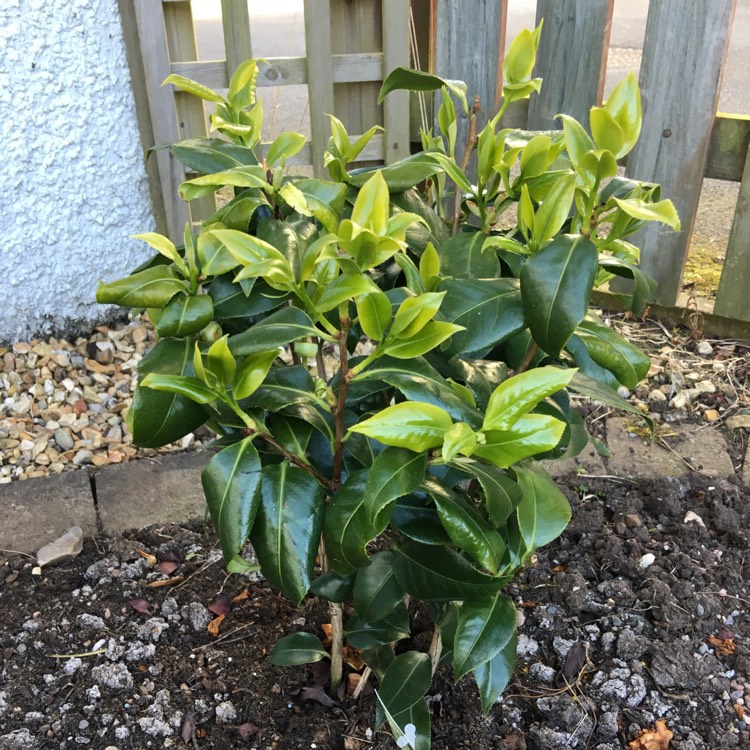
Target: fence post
x=732, y=299
x=683, y=55
x=571, y=59
x=235, y=22
x=395, y=54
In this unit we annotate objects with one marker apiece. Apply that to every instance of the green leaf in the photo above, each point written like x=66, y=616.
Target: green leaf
x=464, y=256
x=318, y=198
x=405, y=681
x=242, y=84
x=210, y=155
x=194, y=88
x=440, y=574
x=231, y=482
x=493, y=676
x=414, y=313
x=408, y=79
x=297, y=648
x=577, y=140
x=374, y=312
x=556, y=286
x=419, y=716
x=643, y=285
x=252, y=372
x=485, y=627
x=460, y=438
x=166, y=248
x=286, y=533
x=345, y=287
x=370, y=209
x=593, y=389
x=611, y=351
x=285, y=386
x=466, y=527
x=184, y=316
x=518, y=395
x=429, y=265
x=520, y=57
x=215, y=259
x=624, y=104
x=416, y=518
x=378, y=658
x=191, y=388
x=401, y=175
x=453, y=171
x=334, y=586
x=237, y=214
x=501, y=493
x=607, y=132
x=219, y=362
x=376, y=591
x=663, y=211
x=431, y=336
x=285, y=146
x=544, y=511
x=394, y=473
x=490, y=310
x=371, y=635
x=153, y=287
x=247, y=177
x=231, y=302
x=412, y=425
x=555, y=209
x=530, y=435
x=157, y=418
x=347, y=528
x=278, y=329
x=291, y=239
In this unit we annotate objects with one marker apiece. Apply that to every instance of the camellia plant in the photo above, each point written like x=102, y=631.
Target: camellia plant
x=385, y=357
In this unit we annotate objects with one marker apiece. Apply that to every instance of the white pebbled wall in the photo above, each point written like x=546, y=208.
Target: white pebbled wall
x=73, y=182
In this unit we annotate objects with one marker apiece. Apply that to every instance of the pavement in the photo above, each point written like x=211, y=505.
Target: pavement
x=167, y=489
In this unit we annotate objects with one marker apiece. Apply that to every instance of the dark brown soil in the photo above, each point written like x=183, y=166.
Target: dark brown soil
x=638, y=644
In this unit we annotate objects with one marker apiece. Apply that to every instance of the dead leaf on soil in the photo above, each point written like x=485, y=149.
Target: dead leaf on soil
x=575, y=661
x=150, y=559
x=740, y=711
x=242, y=596
x=215, y=624
x=221, y=605
x=317, y=694
x=167, y=567
x=246, y=731
x=723, y=646
x=140, y=605
x=657, y=738
x=165, y=582
x=327, y=630
x=188, y=727
x=352, y=658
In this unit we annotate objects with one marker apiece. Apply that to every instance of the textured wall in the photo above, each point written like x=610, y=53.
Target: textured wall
x=72, y=182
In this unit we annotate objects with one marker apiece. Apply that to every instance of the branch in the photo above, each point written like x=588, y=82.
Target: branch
x=470, y=142
x=341, y=403
x=296, y=460
x=533, y=349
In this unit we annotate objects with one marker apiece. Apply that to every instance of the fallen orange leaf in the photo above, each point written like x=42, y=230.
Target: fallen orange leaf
x=328, y=630
x=165, y=582
x=653, y=739
x=352, y=680
x=739, y=710
x=723, y=646
x=242, y=596
x=351, y=657
x=215, y=624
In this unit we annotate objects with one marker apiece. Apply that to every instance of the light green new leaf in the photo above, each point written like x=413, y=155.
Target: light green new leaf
x=346, y=287
x=544, y=511
x=194, y=88
x=577, y=140
x=285, y=146
x=460, y=438
x=231, y=482
x=411, y=425
x=414, y=313
x=374, y=312
x=249, y=177
x=607, y=132
x=166, y=247
x=252, y=372
x=182, y=385
x=520, y=58
x=431, y=336
x=518, y=395
x=286, y=532
x=663, y=211
x=624, y=104
x=554, y=211
x=484, y=628
x=529, y=435
x=220, y=362
x=297, y=648
x=370, y=209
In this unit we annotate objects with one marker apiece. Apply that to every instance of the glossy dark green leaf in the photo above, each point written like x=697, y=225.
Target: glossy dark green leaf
x=347, y=528
x=293, y=434
x=231, y=302
x=402, y=175
x=209, y=155
x=556, y=286
x=611, y=351
x=278, y=329
x=334, y=586
x=493, y=676
x=394, y=473
x=643, y=285
x=440, y=574
x=481, y=376
x=586, y=386
x=239, y=212
x=409, y=79
x=417, y=518
x=501, y=493
x=587, y=366
x=419, y=381
x=418, y=235
x=231, y=482
x=489, y=309
x=286, y=533
x=405, y=681
x=376, y=591
x=366, y=635
x=297, y=648
x=378, y=658
x=484, y=628
x=544, y=511
x=419, y=716
x=466, y=527
x=184, y=316
x=153, y=287
x=285, y=386
x=157, y=418
x=462, y=257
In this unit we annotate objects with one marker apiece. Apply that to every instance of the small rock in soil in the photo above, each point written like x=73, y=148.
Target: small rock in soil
x=65, y=548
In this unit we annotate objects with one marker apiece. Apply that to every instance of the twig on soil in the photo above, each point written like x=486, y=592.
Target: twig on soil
x=610, y=477
x=78, y=656
x=223, y=638
x=361, y=684
x=18, y=552
x=203, y=567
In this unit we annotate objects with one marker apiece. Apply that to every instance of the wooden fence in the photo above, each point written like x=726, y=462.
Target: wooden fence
x=352, y=45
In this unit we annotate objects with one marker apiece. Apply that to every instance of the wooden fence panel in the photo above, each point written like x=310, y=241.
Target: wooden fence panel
x=235, y=22
x=395, y=54
x=684, y=52
x=733, y=296
x=571, y=59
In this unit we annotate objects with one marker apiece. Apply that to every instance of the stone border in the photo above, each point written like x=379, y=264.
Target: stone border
x=167, y=488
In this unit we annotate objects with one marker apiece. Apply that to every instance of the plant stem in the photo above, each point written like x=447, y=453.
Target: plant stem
x=470, y=139
x=436, y=648
x=340, y=408
x=320, y=362
x=337, y=628
x=533, y=349
x=304, y=297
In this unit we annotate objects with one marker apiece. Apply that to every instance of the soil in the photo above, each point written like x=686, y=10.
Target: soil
x=636, y=642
